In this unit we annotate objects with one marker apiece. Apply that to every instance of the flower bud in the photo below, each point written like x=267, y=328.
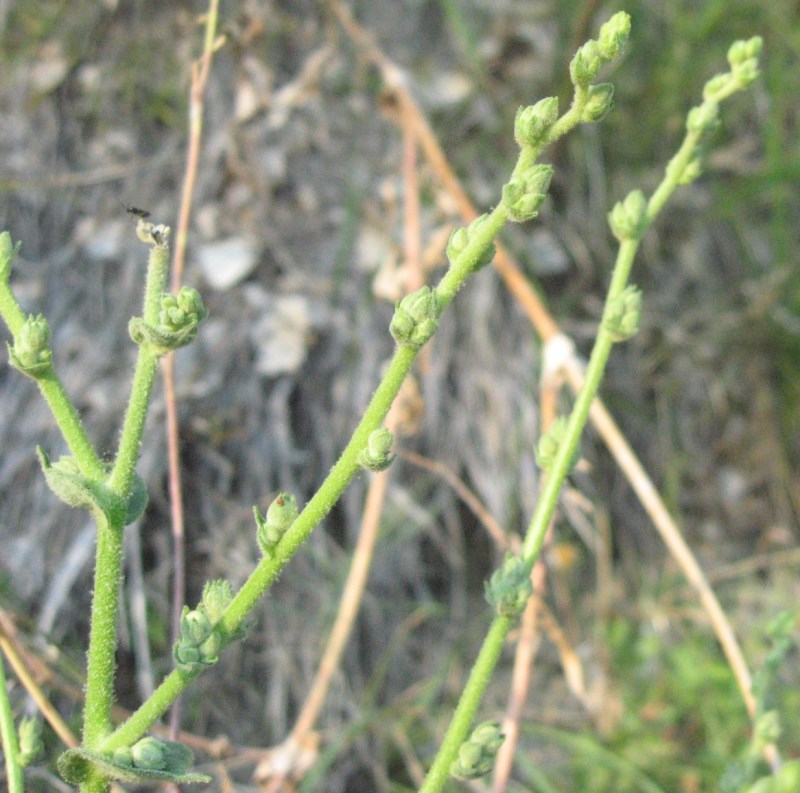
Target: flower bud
x=585, y=64
x=197, y=646
x=599, y=101
x=415, y=319
x=628, y=218
x=509, y=587
x=149, y=753
x=376, y=456
x=703, y=119
x=180, y=311
x=747, y=72
x=622, y=315
x=532, y=123
x=460, y=239
x=742, y=51
x=714, y=85
x=30, y=740
x=31, y=353
x=217, y=596
x=613, y=36
x=550, y=444
x=524, y=194
x=476, y=755
x=693, y=168
x=281, y=513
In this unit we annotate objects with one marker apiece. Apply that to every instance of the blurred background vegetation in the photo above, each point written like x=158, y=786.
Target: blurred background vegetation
x=300, y=192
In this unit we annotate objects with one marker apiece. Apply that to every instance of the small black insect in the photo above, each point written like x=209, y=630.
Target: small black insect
x=140, y=213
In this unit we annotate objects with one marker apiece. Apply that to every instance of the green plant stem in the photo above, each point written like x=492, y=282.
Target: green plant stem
x=468, y=704
x=545, y=507
x=64, y=412
x=131, y=436
x=8, y=734
x=108, y=560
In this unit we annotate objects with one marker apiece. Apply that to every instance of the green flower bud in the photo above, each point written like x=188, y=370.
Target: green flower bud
x=747, y=72
x=156, y=754
x=693, y=168
x=217, y=596
x=8, y=250
x=195, y=625
x=613, y=36
x=197, y=646
x=149, y=753
x=415, y=319
x=460, y=239
x=208, y=651
x=628, y=218
x=623, y=313
x=742, y=51
x=598, y=103
x=270, y=528
x=31, y=353
x=524, y=194
x=550, y=443
x=714, y=86
x=123, y=756
x=703, y=119
x=182, y=310
x=510, y=587
x=585, y=64
x=30, y=740
x=534, y=122
x=476, y=755
x=179, y=317
x=376, y=456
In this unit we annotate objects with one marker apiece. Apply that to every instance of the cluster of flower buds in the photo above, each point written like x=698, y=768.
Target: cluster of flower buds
x=416, y=317
x=622, y=315
x=31, y=353
x=376, y=455
x=199, y=644
x=270, y=528
x=588, y=60
x=534, y=122
x=179, y=317
x=509, y=587
x=743, y=59
x=550, y=444
x=476, y=755
x=460, y=240
x=524, y=194
x=628, y=218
